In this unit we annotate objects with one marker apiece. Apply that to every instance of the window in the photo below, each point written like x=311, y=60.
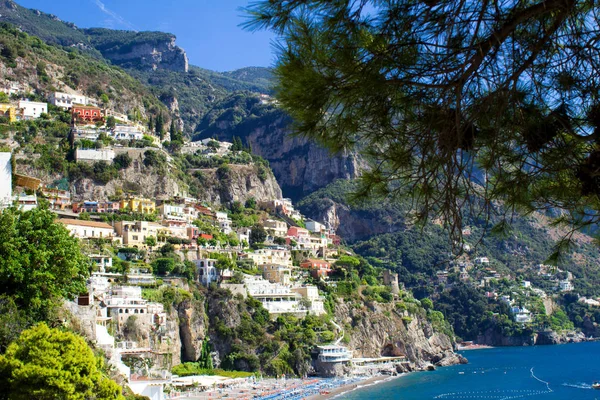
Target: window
x=134, y=237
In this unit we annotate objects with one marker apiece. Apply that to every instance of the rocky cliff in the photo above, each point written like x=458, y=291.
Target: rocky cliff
x=238, y=183
x=193, y=325
x=300, y=165
x=378, y=330
x=492, y=337
x=139, y=50
x=353, y=220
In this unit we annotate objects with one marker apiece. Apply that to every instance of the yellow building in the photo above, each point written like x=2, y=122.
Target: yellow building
x=134, y=233
x=8, y=110
x=138, y=204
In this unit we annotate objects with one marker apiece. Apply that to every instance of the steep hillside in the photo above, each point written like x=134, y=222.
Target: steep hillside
x=37, y=67
x=151, y=57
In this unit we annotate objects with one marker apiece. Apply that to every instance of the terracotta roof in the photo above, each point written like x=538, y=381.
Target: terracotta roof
x=79, y=222
x=314, y=261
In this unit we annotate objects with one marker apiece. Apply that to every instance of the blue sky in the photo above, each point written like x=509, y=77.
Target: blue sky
x=207, y=29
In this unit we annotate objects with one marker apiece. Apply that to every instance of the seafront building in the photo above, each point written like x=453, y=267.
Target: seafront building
x=333, y=353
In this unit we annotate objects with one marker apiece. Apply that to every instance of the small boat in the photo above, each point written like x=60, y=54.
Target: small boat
x=596, y=385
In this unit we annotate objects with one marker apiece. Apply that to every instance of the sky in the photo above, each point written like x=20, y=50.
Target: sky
x=206, y=29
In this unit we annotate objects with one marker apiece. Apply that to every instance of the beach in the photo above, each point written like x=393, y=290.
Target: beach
x=349, y=387
x=289, y=389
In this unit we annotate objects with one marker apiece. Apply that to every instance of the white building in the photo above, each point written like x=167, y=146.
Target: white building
x=482, y=260
x=94, y=155
x=311, y=293
x=565, y=285
x=127, y=132
x=124, y=301
x=275, y=298
x=88, y=229
x=5, y=180
x=224, y=222
x=66, y=100
x=526, y=284
x=333, y=354
x=207, y=271
x=314, y=226
x=243, y=235
x=32, y=109
x=171, y=210
x=523, y=316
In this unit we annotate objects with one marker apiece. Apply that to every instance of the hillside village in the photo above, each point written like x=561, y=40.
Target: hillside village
x=203, y=276
x=139, y=246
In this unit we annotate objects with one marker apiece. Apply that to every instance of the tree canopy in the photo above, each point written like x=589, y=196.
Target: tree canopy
x=456, y=104
x=40, y=261
x=45, y=363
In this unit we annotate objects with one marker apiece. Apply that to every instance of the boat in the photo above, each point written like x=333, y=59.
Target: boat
x=596, y=385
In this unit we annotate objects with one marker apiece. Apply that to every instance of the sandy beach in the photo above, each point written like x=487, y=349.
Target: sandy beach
x=350, y=387
x=289, y=389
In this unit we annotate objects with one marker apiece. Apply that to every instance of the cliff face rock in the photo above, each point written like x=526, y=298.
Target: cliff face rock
x=152, y=56
x=240, y=183
x=301, y=166
x=192, y=329
x=352, y=224
x=173, y=105
x=380, y=331
x=550, y=337
x=224, y=313
x=139, y=50
x=493, y=337
x=137, y=179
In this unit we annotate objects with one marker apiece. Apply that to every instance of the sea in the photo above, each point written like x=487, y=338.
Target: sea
x=554, y=372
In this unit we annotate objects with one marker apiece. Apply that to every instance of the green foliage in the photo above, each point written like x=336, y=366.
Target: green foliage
x=150, y=241
x=257, y=236
x=559, y=321
x=167, y=296
x=12, y=322
x=48, y=363
x=156, y=159
x=427, y=304
x=163, y=266
x=122, y=161
x=40, y=262
x=101, y=171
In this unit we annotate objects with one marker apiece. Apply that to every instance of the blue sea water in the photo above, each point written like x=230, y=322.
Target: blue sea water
x=541, y=372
